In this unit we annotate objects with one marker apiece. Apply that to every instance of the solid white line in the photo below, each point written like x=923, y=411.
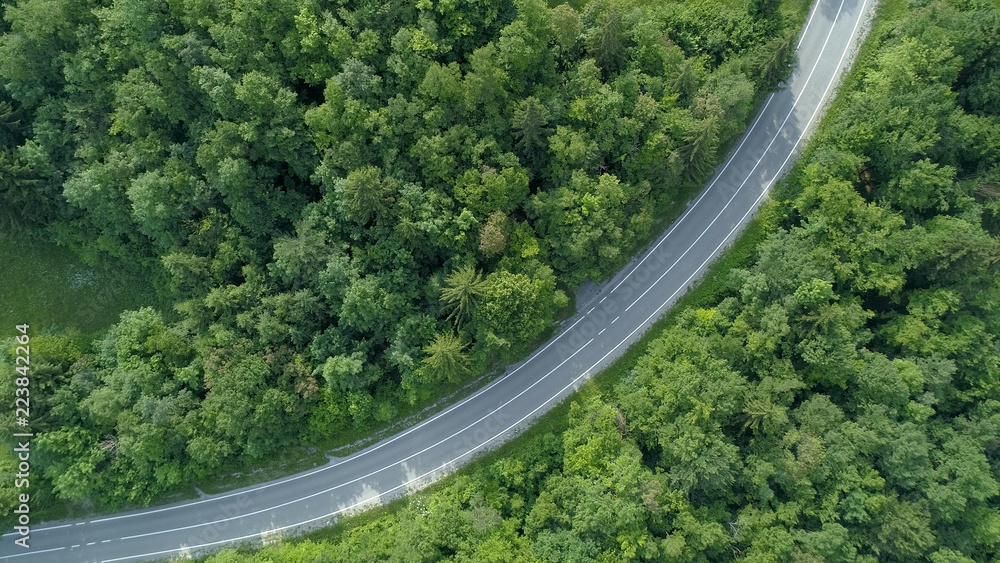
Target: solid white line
x=683, y=286
x=52, y=528
x=812, y=13
x=700, y=196
x=33, y=552
x=777, y=134
x=454, y=406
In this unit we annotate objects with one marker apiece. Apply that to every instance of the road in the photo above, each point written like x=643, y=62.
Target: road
x=601, y=331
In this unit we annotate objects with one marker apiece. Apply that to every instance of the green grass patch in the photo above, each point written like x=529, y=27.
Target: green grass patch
x=46, y=286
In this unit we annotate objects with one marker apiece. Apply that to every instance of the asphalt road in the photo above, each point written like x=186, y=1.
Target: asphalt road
x=616, y=317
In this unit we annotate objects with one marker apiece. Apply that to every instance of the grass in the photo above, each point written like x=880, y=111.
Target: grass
x=47, y=287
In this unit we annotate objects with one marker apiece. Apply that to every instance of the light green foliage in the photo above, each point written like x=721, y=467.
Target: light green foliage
x=515, y=306
x=462, y=291
x=446, y=358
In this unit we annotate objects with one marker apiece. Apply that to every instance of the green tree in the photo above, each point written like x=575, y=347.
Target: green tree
x=445, y=357
x=516, y=307
x=464, y=287
x=607, y=41
x=366, y=196
x=529, y=128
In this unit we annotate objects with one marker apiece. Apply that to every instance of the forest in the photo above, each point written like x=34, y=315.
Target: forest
x=836, y=398
x=349, y=205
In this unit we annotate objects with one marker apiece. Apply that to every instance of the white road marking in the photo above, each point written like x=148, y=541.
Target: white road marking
x=761, y=196
x=700, y=197
x=349, y=458
x=812, y=13
x=456, y=405
x=602, y=331
x=40, y=529
x=33, y=552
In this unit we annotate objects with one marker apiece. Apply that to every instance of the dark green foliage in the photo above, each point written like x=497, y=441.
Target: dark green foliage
x=838, y=400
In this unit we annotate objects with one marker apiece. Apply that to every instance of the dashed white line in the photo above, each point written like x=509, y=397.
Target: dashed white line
x=350, y=458
x=616, y=318
x=677, y=223
x=481, y=391
x=379, y=495
x=761, y=196
x=602, y=331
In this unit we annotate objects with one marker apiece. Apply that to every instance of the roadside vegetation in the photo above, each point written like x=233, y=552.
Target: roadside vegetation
x=353, y=206
x=833, y=395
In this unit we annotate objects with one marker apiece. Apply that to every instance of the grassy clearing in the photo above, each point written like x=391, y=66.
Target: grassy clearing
x=49, y=288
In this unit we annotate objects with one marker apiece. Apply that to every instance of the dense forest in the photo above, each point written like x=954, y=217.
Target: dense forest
x=349, y=203
x=837, y=399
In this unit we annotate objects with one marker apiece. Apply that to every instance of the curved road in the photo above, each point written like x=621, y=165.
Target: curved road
x=602, y=330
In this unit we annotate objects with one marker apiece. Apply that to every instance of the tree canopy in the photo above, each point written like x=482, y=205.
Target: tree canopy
x=353, y=203
x=836, y=398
